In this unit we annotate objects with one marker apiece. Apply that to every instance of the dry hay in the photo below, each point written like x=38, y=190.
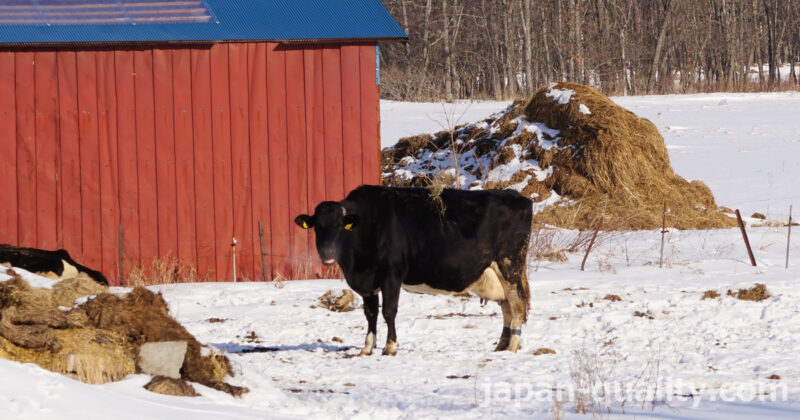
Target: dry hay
x=543, y=350
x=710, y=294
x=756, y=293
x=89, y=355
x=66, y=291
x=97, y=341
x=171, y=386
x=338, y=300
x=143, y=316
x=569, y=140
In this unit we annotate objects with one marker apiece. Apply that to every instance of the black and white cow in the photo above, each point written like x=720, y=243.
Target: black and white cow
x=386, y=238
x=52, y=264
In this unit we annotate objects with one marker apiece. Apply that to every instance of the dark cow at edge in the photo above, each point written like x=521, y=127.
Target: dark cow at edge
x=53, y=264
x=386, y=238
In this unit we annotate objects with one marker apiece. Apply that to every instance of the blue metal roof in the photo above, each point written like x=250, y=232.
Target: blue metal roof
x=27, y=22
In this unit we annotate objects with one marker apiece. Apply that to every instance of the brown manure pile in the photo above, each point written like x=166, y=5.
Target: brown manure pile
x=576, y=153
x=97, y=341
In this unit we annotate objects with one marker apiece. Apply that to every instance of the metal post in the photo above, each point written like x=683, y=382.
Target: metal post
x=591, y=243
x=233, y=245
x=746, y=241
x=264, y=267
x=789, y=237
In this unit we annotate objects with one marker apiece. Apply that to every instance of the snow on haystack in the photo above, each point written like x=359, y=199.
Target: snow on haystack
x=573, y=151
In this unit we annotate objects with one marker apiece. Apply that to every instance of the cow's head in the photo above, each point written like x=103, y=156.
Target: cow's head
x=331, y=224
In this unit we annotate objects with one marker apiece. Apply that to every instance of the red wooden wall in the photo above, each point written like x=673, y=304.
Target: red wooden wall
x=175, y=151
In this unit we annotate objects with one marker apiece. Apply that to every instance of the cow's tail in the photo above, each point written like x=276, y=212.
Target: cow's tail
x=524, y=291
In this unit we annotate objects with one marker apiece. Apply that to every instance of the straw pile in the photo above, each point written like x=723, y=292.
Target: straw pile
x=576, y=153
x=96, y=341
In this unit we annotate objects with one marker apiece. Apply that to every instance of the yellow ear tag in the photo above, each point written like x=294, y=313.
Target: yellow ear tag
x=305, y=225
x=348, y=226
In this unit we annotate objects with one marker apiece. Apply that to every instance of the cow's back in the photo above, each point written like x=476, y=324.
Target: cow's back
x=445, y=242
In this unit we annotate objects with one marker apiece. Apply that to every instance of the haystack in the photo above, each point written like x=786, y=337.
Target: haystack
x=98, y=340
x=574, y=152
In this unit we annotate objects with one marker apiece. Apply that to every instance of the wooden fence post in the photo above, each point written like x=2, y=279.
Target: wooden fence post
x=233, y=245
x=264, y=267
x=744, y=235
x=589, y=249
x=121, y=257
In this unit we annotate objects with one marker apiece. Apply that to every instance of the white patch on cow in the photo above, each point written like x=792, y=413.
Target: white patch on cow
x=369, y=344
x=488, y=286
x=390, y=349
x=5, y=264
x=425, y=289
x=69, y=270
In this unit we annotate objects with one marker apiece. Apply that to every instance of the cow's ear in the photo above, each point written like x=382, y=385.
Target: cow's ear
x=304, y=221
x=350, y=221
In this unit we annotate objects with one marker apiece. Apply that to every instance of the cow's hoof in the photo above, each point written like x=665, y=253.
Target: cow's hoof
x=365, y=352
x=390, y=349
x=502, y=345
x=514, y=344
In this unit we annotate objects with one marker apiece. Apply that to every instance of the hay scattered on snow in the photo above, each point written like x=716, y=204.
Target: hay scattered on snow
x=338, y=300
x=171, y=386
x=576, y=153
x=756, y=293
x=97, y=341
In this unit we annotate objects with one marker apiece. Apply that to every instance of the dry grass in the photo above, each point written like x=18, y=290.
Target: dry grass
x=97, y=341
x=66, y=291
x=338, y=300
x=89, y=355
x=171, y=386
x=710, y=294
x=608, y=163
x=756, y=293
x=163, y=270
x=613, y=298
x=543, y=350
x=620, y=166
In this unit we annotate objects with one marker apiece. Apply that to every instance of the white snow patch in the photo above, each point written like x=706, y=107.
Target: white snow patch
x=562, y=96
x=583, y=109
x=34, y=280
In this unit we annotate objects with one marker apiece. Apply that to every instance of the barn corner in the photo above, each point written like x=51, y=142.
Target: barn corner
x=145, y=136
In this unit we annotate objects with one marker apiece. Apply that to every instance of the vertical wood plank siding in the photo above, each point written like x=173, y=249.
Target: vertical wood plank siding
x=182, y=149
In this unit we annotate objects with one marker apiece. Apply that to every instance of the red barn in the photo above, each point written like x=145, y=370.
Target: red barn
x=142, y=130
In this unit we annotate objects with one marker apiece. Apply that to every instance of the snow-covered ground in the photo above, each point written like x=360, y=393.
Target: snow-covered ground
x=682, y=357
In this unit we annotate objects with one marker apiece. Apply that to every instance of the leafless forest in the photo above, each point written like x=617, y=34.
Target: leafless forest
x=501, y=49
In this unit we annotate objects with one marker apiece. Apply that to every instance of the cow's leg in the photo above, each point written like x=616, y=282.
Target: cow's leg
x=515, y=285
x=517, y=309
x=506, y=335
x=371, y=312
x=391, y=296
